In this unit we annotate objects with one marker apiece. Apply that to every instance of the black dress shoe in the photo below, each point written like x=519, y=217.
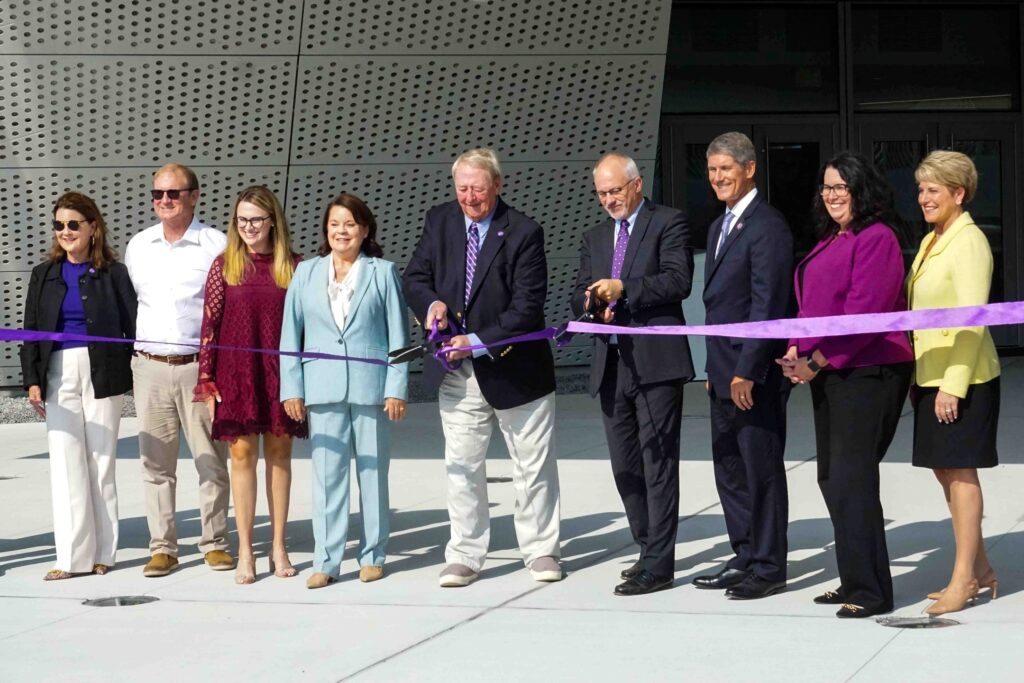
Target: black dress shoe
x=723, y=579
x=630, y=572
x=851, y=611
x=830, y=598
x=643, y=583
x=753, y=588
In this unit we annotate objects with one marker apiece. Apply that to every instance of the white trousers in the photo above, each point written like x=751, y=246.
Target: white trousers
x=528, y=429
x=82, y=436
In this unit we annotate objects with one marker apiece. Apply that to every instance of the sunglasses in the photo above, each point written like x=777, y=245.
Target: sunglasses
x=173, y=195
x=73, y=226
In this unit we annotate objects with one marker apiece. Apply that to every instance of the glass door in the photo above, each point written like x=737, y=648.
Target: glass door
x=897, y=144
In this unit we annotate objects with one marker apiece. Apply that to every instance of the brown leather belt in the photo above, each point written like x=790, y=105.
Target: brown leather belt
x=170, y=360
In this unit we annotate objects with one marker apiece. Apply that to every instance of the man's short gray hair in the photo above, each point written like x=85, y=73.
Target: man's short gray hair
x=734, y=144
x=481, y=157
x=632, y=170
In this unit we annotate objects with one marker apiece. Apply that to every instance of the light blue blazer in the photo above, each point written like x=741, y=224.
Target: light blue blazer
x=376, y=324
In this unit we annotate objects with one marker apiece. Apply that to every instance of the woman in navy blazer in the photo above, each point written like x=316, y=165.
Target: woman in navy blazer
x=858, y=382
x=347, y=302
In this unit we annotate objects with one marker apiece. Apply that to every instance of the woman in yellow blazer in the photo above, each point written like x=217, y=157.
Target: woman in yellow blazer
x=956, y=385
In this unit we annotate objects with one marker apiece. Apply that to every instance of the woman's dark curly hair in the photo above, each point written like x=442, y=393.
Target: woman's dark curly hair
x=871, y=196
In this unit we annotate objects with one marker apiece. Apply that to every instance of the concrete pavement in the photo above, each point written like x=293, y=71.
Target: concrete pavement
x=506, y=627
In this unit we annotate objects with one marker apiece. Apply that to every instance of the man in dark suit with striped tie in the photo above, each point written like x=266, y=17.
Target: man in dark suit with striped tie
x=639, y=263
x=480, y=272
x=747, y=277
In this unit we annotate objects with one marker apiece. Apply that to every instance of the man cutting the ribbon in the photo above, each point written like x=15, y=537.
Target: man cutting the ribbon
x=480, y=272
x=640, y=263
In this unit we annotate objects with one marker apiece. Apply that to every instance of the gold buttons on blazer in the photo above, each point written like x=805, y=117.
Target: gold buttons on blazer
x=916, y=337
x=945, y=333
x=507, y=350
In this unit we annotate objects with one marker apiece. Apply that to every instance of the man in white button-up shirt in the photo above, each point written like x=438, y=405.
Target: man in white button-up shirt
x=168, y=264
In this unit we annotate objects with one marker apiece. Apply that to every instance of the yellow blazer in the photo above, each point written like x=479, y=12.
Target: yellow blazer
x=957, y=272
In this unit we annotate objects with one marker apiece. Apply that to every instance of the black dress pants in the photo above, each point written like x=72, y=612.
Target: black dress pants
x=642, y=423
x=747, y=447
x=856, y=412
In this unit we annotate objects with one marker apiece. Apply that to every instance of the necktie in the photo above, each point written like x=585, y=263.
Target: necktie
x=726, y=222
x=619, y=255
x=472, y=247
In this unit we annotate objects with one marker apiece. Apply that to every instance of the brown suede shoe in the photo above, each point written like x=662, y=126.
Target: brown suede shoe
x=160, y=564
x=220, y=560
x=372, y=572
x=319, y=580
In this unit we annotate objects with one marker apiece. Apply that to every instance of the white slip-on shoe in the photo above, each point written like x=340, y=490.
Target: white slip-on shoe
x=546, y=569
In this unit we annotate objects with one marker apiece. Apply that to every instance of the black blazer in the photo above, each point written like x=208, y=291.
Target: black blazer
x=657, y=274
x=507, y=298
x=752, y=279
x=108, y=299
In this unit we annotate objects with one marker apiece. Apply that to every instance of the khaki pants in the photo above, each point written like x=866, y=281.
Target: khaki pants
x=163, y=402
x=528, y=429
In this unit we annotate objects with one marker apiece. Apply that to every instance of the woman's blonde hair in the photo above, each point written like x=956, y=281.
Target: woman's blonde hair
x=236, y=256
x=952, y=170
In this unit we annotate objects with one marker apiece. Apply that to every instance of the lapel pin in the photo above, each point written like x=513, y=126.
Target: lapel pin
x=501, y=234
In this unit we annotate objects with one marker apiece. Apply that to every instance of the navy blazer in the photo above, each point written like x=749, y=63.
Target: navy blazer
x=507, y=299
x=751, y=279
x=110, y=306
x=657, y=273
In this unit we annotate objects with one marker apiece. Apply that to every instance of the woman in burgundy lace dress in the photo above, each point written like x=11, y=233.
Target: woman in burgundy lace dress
x=245, y=293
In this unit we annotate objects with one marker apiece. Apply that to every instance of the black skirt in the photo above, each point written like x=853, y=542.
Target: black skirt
x=970, y=442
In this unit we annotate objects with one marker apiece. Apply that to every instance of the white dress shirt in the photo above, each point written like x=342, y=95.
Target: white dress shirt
x=340, y=293
x=170, y=282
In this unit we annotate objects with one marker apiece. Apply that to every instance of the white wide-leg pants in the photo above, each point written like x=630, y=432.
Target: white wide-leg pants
x=82, y=435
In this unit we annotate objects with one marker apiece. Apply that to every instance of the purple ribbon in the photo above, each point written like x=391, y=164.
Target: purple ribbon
x=7, y=335
x=1009, y=313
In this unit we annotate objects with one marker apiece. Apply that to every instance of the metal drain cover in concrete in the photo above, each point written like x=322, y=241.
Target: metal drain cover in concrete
x=917, y=622
x=120, y=601
x=498, y=480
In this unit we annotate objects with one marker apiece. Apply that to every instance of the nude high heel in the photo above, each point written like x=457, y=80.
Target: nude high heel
x=955, y=599
x=989, y=580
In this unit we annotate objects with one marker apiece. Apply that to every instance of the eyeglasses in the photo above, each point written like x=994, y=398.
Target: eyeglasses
x=255, y=222
x=615, y=191
x=173, y=195
x=73, y=226
x=840, y=190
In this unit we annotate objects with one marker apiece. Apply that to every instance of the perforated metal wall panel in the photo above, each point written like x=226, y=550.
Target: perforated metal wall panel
x=131, y=27
x=111, y=111
x=311, y=97
x=526, y=107
x=429, y=27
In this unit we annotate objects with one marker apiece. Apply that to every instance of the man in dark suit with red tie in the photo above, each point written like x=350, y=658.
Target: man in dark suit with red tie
x=748, y=276
x=480, y=272
x=637, y=268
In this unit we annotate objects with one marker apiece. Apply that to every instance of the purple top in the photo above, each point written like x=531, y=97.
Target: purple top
x=72, y=315
x=850, y=273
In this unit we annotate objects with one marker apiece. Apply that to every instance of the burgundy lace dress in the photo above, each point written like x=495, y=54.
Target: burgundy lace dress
x=247, y=315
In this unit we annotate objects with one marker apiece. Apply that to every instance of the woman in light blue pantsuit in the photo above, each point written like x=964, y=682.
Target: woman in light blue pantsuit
x=347, y=302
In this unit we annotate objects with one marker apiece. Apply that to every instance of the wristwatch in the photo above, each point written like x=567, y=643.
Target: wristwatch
x=813, y=366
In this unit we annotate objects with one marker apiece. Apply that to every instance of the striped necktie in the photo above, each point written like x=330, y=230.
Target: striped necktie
x=472, y=247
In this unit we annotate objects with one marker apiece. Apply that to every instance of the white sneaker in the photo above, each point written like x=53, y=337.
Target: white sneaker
x=546, y=569
x=457, y=575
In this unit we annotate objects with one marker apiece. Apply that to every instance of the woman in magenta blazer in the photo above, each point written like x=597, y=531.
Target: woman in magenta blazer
x=858, y=382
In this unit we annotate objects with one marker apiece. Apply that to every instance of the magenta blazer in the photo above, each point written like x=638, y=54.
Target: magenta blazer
x=850, y=273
